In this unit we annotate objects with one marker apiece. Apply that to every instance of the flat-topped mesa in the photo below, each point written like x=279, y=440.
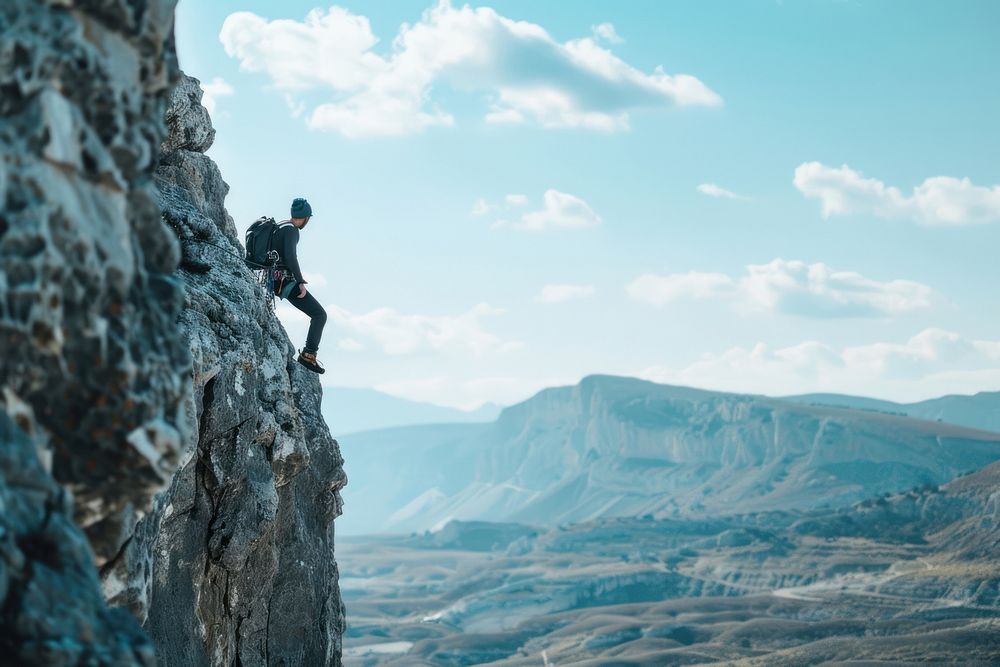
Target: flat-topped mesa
x=242, y=541
x=614, y=446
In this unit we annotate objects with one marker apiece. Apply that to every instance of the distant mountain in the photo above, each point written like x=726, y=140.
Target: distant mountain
x=980, y=411
x=395, y=472
x=353, y=409
x=613, y=446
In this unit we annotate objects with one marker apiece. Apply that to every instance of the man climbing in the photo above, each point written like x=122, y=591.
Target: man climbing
x=290, y=284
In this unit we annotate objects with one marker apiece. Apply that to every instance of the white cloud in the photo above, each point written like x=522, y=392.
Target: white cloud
x=297, y=108
x=659, y=290
x=498, y=116
x=561, y=293
x=560, y=210
x=468, y=393
x=481, y=208
x=940, y=200
x=816, y=290
x=713, y=190
x=315, y=279
x=931, y=363
x=213, y=90
x=399, y=334
x=606, y=32
x=509, y=203
x=350, y=345
x=523, y=71
x=328, y=49
x=791, y=287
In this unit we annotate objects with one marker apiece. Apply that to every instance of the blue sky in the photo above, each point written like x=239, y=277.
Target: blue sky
x=517, y=194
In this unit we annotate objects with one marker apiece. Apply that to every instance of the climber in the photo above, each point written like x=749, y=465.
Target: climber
x=289, y=283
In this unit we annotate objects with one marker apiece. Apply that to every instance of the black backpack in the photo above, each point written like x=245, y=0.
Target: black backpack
x=259, y=238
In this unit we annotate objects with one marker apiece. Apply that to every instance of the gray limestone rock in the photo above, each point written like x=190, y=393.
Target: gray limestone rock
x=241, y=543
x=139, y=357
x=93, y=372
x=87, y=300
x=52, y=611
x=188, y=123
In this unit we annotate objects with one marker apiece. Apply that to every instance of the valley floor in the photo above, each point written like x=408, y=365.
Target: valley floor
x=754, y=590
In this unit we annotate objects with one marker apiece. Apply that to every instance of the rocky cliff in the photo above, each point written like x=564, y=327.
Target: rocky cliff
x=93, y=369
x=241, y=544
x=134, y=344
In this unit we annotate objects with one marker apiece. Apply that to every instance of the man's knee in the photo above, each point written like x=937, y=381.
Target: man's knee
x=320, y=315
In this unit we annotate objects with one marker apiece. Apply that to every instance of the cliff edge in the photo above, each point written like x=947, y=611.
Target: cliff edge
x=241, y=543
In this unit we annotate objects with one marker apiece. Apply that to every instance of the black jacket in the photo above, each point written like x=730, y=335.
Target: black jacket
x=286, y=238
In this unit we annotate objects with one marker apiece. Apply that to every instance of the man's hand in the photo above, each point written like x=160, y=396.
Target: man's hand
x=302, y=290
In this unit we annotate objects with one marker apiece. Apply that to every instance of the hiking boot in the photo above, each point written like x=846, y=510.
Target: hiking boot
x=308, y=359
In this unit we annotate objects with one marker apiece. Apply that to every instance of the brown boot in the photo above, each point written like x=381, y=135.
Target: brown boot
x=308, y=359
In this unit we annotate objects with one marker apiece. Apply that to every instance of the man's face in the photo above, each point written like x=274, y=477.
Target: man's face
x=305, y=221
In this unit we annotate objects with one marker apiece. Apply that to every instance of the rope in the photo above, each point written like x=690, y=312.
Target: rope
x=229, y=252
x=265, y=277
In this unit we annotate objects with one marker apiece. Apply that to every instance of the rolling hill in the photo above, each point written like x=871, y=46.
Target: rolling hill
x=981, y=411
x=906, y=579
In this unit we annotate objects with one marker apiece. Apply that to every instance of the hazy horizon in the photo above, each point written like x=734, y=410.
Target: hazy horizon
x=484, y=404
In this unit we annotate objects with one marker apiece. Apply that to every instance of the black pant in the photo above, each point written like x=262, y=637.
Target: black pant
x=311, y=307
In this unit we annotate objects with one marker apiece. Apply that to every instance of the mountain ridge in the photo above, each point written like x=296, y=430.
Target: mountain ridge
x=618, y=446
x=980, y=410
x=358, y=409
